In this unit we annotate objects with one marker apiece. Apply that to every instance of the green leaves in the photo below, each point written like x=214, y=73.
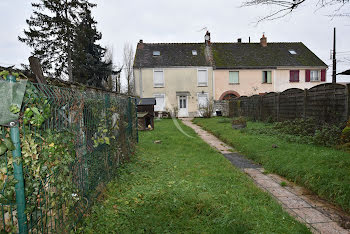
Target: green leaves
x=15, y=109
x=6, y=145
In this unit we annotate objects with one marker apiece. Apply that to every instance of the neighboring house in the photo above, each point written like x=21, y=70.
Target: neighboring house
x=178, y=75
x=184, y=76
x=244, y=69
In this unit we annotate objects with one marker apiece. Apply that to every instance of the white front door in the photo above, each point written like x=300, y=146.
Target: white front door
x=183, y=111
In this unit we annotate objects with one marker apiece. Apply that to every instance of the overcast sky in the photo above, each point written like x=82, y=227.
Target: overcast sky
x=181, y=21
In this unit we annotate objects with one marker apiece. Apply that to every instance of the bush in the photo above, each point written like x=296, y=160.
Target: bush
x=311, y=131
x=239, y=121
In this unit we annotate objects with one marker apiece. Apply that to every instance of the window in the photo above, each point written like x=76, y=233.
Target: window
x=233, y=77
x=160, y=102
x=314, y=75
x=266, y=78
x=158, y=78
x=194, y=52
x=183, y=100
x=202, y=77
x=156, y=53
x=294, y=76
x=292, y=52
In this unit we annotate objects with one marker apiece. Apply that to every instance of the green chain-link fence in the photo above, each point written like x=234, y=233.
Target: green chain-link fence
x=72, y=142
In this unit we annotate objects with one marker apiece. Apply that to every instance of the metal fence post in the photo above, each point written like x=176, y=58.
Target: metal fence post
x=137, y=123
x=18, y=173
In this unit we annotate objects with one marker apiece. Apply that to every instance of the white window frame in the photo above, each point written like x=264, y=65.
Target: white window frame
x=267, y=71
x=318, y=75
x=158, y=85
x=229, y=78
x=202, y=84
x=160, y=95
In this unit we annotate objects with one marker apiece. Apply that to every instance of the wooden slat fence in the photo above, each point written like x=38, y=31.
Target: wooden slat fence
x=325, y=102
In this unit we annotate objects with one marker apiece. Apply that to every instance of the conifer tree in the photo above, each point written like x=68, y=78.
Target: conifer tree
x=88, y=65
x=51, y=34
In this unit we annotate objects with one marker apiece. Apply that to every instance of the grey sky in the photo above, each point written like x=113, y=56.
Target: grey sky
x=180, y=20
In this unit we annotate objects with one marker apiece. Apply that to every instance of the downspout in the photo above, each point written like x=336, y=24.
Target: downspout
x=140, y=81
x=213, y=83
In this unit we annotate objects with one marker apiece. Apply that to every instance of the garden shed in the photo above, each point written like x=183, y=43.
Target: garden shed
x=145, y=113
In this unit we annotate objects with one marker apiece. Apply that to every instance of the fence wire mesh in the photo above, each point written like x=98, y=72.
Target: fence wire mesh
x=72, y=143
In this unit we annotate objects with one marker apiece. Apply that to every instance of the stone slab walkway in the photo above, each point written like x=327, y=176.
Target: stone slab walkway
x=317, y=214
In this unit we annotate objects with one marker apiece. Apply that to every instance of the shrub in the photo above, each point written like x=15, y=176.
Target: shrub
x=239, y=121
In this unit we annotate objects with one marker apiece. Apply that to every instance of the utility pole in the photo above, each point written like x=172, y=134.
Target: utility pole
x=334, y=75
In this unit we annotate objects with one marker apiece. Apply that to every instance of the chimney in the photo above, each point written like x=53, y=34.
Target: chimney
x=207, y=38
x=239, y=40
x=263, y=41
x=140, y=44
x=249, y=39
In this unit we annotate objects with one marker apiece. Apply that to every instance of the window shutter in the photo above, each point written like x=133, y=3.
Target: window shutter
x=307, y=75
x=236, y=77
x=291, y=73
x=323, y=75
x=297, y=76
x=202, y=77
x=158, y=78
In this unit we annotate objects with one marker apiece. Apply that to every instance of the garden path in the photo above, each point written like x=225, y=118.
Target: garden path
x=317, y=214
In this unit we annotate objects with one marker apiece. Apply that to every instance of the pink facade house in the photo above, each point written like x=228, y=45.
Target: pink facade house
x=245, y=69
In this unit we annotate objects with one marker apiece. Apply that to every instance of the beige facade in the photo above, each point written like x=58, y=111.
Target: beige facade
x=177, y=82
x=250, y=81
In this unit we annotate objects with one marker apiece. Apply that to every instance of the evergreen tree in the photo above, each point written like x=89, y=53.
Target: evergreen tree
x=51, y=33
x=88, y=65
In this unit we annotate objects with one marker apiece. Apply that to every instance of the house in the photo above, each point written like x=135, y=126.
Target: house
x=145, y=113
x=183, y=77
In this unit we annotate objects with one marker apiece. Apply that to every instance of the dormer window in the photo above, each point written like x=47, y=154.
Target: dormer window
x=156, y=53
x=292, y=52
x=194, y=52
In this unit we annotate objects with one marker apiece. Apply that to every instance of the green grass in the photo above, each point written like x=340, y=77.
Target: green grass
x=184, y=186
x=325, y=171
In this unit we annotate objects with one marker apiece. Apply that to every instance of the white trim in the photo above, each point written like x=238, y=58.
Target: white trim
x=158, y=70
x=202, y=69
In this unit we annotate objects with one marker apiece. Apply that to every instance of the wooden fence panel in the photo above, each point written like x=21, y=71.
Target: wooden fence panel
x=325, y=102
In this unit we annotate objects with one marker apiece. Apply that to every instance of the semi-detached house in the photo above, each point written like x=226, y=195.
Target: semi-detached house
x=184, y=76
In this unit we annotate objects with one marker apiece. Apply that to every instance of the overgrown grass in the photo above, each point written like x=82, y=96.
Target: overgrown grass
x=325, y=171
x=184, y=186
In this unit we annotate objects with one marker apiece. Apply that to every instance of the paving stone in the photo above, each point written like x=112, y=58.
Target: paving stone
x=267, y=183
x=311, y=215
x=330, y=227
x=280, y=192
x=293, y=202
x=314, y=200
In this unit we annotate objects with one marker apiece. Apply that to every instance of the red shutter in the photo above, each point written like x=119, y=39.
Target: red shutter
x=307, y=75
x=297, y=76
x=323, y=75
x=291, y=73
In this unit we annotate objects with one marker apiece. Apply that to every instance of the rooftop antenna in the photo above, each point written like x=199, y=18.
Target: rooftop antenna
x=203, y=29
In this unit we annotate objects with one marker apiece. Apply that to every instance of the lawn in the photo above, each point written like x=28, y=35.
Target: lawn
x=325, y=171
x=184, y=186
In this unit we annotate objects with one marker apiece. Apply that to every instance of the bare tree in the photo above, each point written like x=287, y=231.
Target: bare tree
x=286, y=7
x=128, y=62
